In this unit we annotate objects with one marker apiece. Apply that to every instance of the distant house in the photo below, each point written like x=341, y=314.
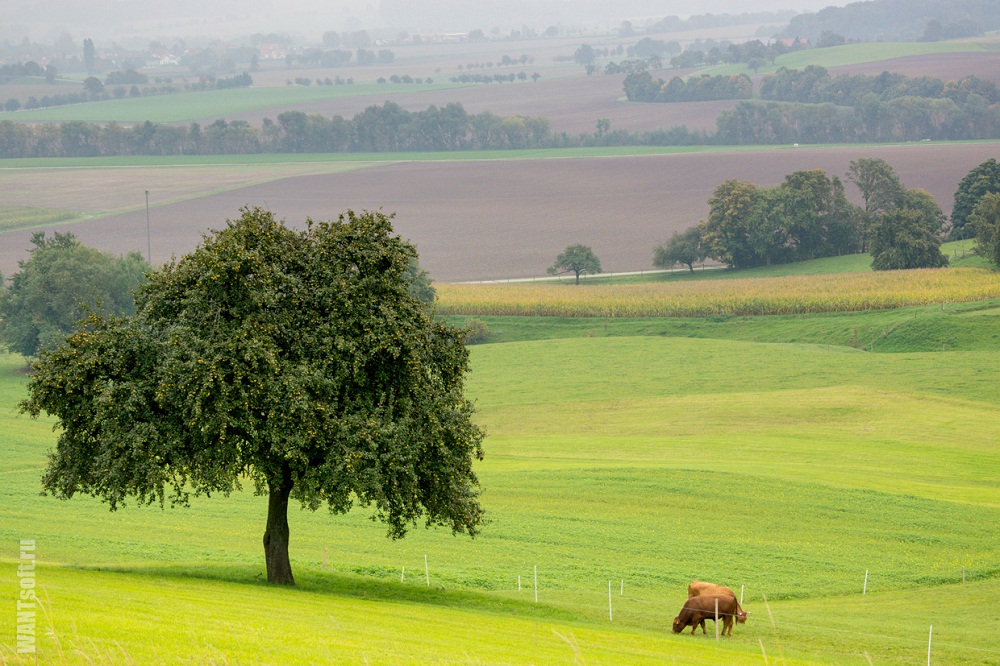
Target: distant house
x=164, y=58
x=271, y=51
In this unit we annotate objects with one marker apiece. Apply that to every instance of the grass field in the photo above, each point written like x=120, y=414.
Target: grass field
x=866, y=52
x=789, y=466
x=191, y=106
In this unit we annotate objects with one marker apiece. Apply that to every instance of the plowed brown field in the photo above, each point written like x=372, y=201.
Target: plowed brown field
x=510, y=218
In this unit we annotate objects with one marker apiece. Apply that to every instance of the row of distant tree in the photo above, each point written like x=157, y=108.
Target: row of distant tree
x=814, y=85
x=376, y=129
x=126, y=83
x=641, y=87
x=808, y=216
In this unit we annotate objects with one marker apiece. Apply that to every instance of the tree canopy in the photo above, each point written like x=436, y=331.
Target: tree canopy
x=985, y=220
x=683, y=247
x=60, y=282
x=980, y=181
x=576, y=259
x=805, y=217
x=296, y=360
x=906, y=238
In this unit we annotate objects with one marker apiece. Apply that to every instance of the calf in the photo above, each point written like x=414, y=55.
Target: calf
x=698, y=609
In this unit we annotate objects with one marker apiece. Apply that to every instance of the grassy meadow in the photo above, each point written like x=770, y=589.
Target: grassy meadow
x=197, y=105
x=801, y=433
x=771, y=453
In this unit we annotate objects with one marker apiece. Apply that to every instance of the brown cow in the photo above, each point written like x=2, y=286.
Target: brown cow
x=699, y=588
x=698, y=609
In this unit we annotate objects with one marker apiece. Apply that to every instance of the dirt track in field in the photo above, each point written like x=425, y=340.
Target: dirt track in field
x=509, y=219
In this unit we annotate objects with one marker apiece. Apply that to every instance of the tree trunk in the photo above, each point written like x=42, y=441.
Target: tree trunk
x=279, y=569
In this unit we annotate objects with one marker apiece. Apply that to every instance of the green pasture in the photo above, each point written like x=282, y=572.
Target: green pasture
x=20, y=217
x=787, y=462
x=933, y=328
x=415, y=156
x=199, y=105
x=861, y=53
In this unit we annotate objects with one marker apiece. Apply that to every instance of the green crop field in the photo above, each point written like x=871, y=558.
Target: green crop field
x=189, y=106
x=624, y=458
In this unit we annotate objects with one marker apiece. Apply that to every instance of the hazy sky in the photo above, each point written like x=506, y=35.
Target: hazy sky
x=124, y=20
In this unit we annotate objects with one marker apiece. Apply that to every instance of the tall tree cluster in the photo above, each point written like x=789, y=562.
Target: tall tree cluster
x=808, y=216
x=805, y=217
x=900, y=228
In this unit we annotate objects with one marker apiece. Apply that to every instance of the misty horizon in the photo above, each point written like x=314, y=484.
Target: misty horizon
x=139, y=21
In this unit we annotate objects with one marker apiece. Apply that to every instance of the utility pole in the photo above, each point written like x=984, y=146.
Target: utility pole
x=149, y=258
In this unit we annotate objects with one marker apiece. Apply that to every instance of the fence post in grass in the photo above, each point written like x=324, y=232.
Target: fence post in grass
x=717, y=618
x=623, y=588
x=324, y=560
x=611, y=617
x=402, y=574
x=427, y=572
x=963, y=575
x=518, y=582
x=536, y=583
x=864, y=590
x=930, y=635
x=742, y=588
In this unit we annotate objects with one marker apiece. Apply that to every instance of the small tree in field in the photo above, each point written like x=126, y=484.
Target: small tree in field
x=684, y=247
x=297, y=360
x=576, y=259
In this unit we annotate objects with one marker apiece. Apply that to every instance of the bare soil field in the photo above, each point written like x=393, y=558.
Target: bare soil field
x=502, y=219
x=944, y=66
x=573, y=104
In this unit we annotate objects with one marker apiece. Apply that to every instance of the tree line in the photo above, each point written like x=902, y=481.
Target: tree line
x=815, y=85
x=899, y=20
x=810, y=106
x=375, y=129
x=114, y=86
x=901, y=119
x=641, y=87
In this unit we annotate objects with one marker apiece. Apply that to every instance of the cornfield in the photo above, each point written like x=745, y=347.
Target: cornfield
x=844, y=292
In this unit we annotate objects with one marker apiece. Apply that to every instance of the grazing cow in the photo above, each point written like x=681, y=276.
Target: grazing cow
x=699, y=588
x=698, y=609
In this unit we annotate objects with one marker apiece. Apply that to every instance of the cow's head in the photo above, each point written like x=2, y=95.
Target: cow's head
x=678, y=627
x=741, y=616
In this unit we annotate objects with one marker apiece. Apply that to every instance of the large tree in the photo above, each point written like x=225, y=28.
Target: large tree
x=576, y=259
x=59, y=282
x=985, y=220
x=982, y=180
x=298, y=361
x=903, y=238
x=880, y=188
x=726, y=232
